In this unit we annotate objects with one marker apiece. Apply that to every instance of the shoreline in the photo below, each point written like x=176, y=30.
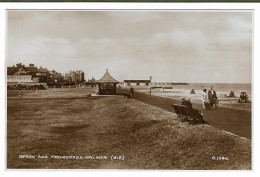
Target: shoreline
x=178, y=94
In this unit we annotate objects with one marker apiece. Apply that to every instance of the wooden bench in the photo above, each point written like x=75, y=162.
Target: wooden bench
x=189, y=114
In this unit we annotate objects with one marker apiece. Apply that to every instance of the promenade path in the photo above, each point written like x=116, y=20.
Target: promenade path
x=232, y=120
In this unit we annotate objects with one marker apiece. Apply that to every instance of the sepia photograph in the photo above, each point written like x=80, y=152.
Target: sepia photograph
x=129, y=89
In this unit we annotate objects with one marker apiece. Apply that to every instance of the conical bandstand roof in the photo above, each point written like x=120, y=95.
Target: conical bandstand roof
x=107, y=78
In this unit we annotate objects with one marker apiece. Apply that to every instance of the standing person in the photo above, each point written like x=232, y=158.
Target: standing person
x=204, y=99
x=132, y=91
x=125, y=93
x=20, y=94
x=212, y=96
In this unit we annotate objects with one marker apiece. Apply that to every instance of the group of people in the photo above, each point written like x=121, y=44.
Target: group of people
x=186, y=102
x=243, y=98
x=209, y=99
x=130, y=95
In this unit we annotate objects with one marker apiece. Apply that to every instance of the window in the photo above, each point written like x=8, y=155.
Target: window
x=128, y=83
x=137, y=83
x=146, y=83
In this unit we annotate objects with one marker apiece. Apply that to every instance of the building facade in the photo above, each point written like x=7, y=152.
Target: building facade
x=19, y=78
x=74, y=76
x=21, y=73
x=42, y=74
x=137, y=83
x=92, y=82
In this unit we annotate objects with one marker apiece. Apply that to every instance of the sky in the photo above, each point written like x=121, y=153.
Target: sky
x=171, y=46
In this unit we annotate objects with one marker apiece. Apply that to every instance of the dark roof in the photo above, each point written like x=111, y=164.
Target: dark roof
x=12, y=70
x=31, y=69
x=107, y=78
x=92, y=81
x=43, y=70
x=137, y=81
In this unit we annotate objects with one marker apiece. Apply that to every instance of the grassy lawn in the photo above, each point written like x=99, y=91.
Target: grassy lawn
x=147, y=137
x=15, y=93
x=53, y=93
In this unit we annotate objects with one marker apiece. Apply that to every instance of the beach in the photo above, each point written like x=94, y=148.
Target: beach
x=183, y=91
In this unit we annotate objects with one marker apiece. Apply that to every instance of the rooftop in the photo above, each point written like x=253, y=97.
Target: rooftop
x=107, y=78
x=137, y=81
x=14, y=69
x=92, y=81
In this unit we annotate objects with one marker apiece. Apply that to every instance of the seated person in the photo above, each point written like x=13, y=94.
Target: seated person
x=186, y=102
x=231, y=94
x=125, y=93
x=243, y=97
x=192, y=91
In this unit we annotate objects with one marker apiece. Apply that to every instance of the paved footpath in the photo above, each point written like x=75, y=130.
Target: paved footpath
x=232, y=120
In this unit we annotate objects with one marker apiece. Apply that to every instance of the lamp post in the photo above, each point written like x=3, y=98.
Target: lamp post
x=150, y=85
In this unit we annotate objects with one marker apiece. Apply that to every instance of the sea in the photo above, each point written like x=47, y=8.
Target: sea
x=218, y=87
